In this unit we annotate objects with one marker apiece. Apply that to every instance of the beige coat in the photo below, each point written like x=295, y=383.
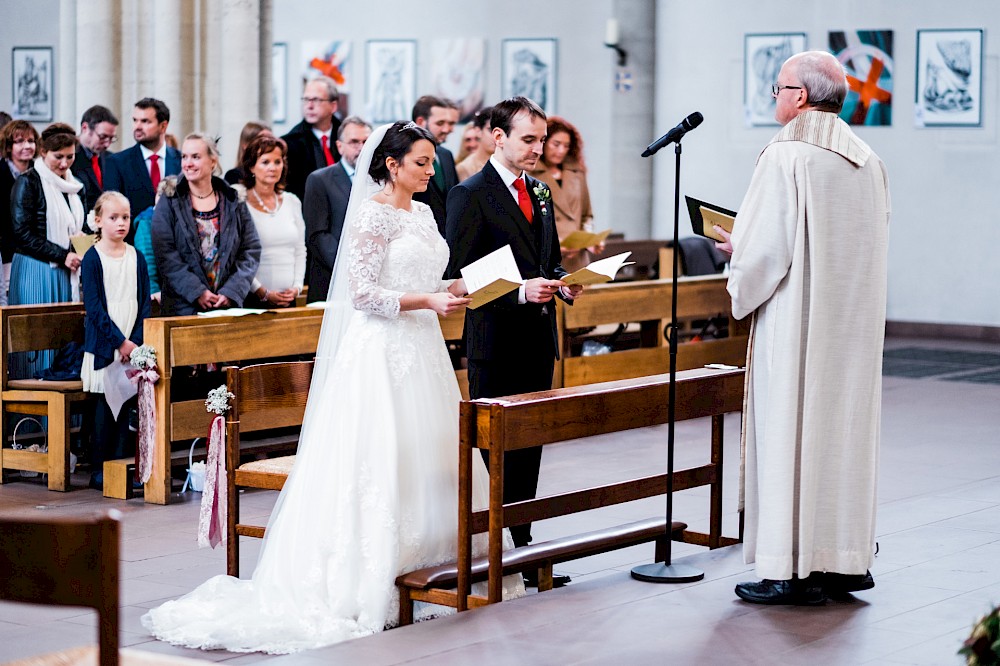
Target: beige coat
x=571, y=203
x=809, y=260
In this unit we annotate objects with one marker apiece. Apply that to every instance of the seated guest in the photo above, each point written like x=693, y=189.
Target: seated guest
x=562, y=168
x=204, y=241
x=277, y=215
x=250, y=131
x=470, y=141
x=142, y=226
x=475, y=162
x=47, y=211
x=18, y=141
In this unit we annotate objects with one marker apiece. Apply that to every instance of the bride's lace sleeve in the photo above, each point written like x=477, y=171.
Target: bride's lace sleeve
x=369, y=236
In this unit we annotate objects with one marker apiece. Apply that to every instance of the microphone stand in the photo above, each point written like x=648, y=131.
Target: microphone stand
x=666, y=572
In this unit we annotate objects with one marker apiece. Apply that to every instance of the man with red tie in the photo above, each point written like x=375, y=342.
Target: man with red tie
x=312, y=144
x=98, y=130
x=511, y=342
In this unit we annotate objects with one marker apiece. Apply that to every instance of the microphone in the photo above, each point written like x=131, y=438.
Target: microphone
x=676, y=134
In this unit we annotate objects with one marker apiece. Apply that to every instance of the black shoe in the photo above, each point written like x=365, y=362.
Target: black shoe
x=793, y=592
x=558, y=580
x=839, y=585
x=97, y=481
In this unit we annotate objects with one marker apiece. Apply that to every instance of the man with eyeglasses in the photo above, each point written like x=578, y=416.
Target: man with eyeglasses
x=98, y=130
x=312, y=143
x=809, y=251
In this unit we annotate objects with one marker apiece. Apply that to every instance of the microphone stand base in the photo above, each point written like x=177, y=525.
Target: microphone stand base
x=659, y=572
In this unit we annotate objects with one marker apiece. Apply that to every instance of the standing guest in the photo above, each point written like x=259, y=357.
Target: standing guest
x=116, y=298
x=137, y=172
x=4, y=118
x=98, y=130
x=438, y=116
x=563, y=169
x=204, y=241
x=248, y=134
x=475, y=162
x=511, y=342
x=144, y=237
x=328, y=191
x=18, y=142
x=277, y=216
x=171, y=141
x=311, y=142
x=47, y=211
x=809, y=262
x=470, y=141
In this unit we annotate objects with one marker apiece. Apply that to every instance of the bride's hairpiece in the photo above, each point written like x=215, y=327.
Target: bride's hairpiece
x=408, y=126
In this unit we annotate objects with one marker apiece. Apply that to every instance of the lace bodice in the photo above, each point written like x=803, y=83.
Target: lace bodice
x=392, y=252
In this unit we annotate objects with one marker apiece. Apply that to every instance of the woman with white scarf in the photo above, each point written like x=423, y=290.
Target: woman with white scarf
x=46, y=211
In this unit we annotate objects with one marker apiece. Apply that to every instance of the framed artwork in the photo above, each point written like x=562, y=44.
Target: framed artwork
x=32, y=89
x=867, y=57
x=949, y=78
x=333, y=59
x=392, y=79
x=458, y=73
x=279, y=84
x=528, y=67
x=763, y=55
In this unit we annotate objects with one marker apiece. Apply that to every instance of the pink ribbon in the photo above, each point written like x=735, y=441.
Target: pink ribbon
x=212, y=519
x=146, y=440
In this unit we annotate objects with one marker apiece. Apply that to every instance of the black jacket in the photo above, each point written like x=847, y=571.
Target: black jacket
x=83, y=169
x=435, y=197
x=28, y=213
x=6, y=225
x=305, y=155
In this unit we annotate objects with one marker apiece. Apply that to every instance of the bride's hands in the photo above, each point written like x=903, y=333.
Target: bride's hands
x=445, y=303
x=457, y=287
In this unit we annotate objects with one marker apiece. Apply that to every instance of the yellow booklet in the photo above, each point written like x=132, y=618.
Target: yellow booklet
x=578, y=240
x=704, y=215
x=491, y=277
x=82, y=243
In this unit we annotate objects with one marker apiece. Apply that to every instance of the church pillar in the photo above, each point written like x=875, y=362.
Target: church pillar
x=98, y=61
x=65, y=101
x=172, y=38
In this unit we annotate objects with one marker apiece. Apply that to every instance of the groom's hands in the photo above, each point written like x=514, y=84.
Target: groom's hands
x=541, y=290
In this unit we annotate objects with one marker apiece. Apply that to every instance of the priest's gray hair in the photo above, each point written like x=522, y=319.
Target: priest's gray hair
x=824, y=79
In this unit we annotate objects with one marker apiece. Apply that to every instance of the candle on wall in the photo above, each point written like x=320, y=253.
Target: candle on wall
x=611, y=32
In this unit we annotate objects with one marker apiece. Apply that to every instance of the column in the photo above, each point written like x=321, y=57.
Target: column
x=239, y=85
x=98, y=60
x=65, y=103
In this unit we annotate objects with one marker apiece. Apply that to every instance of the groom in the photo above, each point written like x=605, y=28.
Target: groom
x=511, y=342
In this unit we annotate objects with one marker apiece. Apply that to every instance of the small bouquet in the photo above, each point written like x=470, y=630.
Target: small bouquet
x=544, y=195
x=144, y=375
x=982, y=647
x=143, y=357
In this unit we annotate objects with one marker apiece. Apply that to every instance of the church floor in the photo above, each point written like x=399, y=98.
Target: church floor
x=937, y=571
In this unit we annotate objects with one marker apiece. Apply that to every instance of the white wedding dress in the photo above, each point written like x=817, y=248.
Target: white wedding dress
x=375, y=485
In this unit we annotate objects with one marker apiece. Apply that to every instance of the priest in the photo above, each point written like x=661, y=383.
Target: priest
x=809, y=265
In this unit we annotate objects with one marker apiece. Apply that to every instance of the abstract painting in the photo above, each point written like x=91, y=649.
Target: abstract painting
x=867, y=57
x=329, y=58
x=458, y=73
x=949, y=78
x=763, y=56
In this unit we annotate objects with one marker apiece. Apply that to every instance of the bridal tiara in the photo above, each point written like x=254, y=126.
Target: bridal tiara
x=408, y=126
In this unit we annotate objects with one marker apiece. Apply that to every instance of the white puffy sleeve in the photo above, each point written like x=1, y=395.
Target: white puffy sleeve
x=370, y=232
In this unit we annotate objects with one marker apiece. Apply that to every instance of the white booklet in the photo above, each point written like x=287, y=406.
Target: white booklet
x=491, y=277
x=602, y=270
x=232, y=312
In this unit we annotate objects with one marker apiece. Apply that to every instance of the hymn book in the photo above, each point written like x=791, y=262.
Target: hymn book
x=82, y=243
x=491, y=277
x=579, y=240
x=603, y=270
x=705, y=215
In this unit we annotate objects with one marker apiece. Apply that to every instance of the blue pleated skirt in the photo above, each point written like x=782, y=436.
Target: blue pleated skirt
x=34, y=282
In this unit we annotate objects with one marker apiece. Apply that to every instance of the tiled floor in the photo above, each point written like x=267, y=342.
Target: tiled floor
x=937, y=570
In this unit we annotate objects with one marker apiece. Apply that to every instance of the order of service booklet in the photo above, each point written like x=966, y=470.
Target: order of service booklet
x=579, y=240
x=704, y=215
x=596, y=272
x=491, y=277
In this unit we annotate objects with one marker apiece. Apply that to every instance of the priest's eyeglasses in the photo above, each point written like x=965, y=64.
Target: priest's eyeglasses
x=775, y=89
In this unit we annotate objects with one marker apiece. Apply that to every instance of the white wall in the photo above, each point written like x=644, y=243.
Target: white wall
x=29, y=24
x=945, y=183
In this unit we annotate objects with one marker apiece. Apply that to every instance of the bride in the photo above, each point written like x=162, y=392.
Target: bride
x=374, y=489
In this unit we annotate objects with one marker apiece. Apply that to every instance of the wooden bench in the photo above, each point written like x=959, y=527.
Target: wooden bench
x=268, y=395
x=28, y=328
x=546, y=417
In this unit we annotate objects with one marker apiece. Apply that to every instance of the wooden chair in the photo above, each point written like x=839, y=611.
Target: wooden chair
x=267, y=395
x=66, y=562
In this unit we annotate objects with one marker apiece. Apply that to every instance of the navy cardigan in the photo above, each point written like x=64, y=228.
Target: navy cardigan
x=100, y=335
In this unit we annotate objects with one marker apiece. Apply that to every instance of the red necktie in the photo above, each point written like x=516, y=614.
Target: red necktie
x=523, y=200
x=96, y=163
x=325, y=140
x=154, y=170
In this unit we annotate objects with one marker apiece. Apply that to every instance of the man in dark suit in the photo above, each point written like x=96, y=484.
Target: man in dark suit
x=98, y=129
x=311, y=142
x=511, y=342
x=328, y=191
x=438, y=116
x=137, y=172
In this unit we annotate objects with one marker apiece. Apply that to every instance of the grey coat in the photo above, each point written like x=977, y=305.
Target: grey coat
x=177, y=251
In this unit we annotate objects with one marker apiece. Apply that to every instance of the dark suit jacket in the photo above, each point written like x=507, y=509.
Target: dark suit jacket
x=126, y=173
x=483, y=217
x=305, y=155
x=434, y=196
x=324, y=208
x=7, y=244
x=83, y=169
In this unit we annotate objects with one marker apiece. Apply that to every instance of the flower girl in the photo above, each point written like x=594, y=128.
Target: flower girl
x=116, y=298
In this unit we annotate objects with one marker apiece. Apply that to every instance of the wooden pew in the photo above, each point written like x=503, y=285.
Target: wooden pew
x=546, y=417
x=649, y=302
x=26, y=328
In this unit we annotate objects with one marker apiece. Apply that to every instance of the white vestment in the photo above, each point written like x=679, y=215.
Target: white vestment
x=809, y=259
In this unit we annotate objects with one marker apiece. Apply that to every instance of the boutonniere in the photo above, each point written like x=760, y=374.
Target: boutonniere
x=544, y=195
